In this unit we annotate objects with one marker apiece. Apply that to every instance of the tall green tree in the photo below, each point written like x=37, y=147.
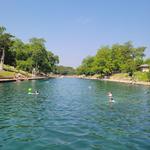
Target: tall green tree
x=118, y=58
x=86, y=66
x=103, y=61
x=65, y=70
x=7, y=56
x=20, y=49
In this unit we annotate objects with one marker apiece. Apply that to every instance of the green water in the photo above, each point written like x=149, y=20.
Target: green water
x=74, y=114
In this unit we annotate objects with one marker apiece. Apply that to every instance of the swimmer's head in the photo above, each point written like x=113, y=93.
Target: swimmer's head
x=89, y=87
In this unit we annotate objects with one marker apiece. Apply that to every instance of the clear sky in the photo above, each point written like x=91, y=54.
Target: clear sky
x=75, y=29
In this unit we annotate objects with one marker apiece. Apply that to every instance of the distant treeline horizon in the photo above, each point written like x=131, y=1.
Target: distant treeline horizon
x=120, y=58
x=26, y=56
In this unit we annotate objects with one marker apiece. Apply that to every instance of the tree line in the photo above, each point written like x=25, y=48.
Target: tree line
x=119, y=58
x=26, y=56
x=65, y=70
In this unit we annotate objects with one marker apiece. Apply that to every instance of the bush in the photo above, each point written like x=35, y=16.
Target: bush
x=11, y=70
x=24, y=65
x=148, y=76
x=6, y=74
x=141, y=76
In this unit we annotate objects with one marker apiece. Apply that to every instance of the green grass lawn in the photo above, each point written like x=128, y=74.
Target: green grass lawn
x=141, y=76
x=138, y=76
x=121, y=76
x=5, y=74
x=12, y=70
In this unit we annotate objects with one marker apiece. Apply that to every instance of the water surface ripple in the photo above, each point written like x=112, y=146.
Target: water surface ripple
x=74, y=114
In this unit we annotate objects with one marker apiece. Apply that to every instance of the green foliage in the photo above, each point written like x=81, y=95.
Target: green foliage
x=25, y=65
x=141, y=76
x=147, y=61
x=6, y=41
x=21, y=49
x=63, y=70
x=4, y=74
x=120, y=58
x=26, y=56
x=148, y=75
x=103, y=61
x=121, y=76
x=12, y=69
x=87, y=66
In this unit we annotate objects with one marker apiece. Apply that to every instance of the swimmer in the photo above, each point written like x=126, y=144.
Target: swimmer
x=30, y=91
x=36, y=92
x=147, y=92
x=111, y=100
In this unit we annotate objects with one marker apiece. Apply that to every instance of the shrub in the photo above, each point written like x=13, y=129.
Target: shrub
x=141, y=76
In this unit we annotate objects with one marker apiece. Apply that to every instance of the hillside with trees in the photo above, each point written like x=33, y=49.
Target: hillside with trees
x=34, y=56
x=119, y=58
x=26, y=56
x=65, y=70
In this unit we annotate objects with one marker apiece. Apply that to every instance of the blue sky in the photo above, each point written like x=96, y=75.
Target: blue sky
x=75, y=29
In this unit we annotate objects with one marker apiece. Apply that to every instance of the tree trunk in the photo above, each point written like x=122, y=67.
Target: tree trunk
x=2, y=60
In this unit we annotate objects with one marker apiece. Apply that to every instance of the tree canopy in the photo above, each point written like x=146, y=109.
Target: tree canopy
x=64, y=70
x=26, y=56
x=6, y=53
x=117, y=58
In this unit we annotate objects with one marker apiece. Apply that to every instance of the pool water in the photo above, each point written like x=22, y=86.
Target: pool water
x=74, y=114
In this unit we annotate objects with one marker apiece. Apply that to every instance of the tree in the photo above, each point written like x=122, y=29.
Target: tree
x=126, y=58
x=6, y=54
x=20, y=49
x=103, y=61
x=86, y=66
x=65, y=70
x=43, y=60
x=147, y=61
x=26, y=56
x=53, y=60
x=118, y=58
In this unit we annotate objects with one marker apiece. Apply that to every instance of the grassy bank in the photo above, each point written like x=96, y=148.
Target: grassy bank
x=137, y=77
x=6, y=74
x=9, y=72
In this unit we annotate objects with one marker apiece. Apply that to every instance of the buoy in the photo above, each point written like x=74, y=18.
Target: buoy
x=29, y=89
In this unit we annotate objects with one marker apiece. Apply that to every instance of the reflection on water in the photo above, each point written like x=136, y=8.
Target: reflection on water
x=74, y=114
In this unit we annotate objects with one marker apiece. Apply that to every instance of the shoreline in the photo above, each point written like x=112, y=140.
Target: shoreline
x=111, y=80
x=76, y=76
x=2, y=80
x=128, y=82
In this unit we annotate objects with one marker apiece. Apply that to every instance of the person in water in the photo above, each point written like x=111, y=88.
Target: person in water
x=36, y=92
x=30, y=91
x=110, y=97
